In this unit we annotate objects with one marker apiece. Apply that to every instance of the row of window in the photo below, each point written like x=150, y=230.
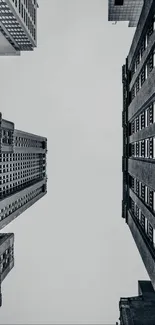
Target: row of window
x=143, y=46
x=11, y=24
x=143, y=192
x=17, y=157
x=6, y=211
x=6, y=258
x=143, y=120
x=145, y=71
x=25, y=9
x=143, y=149
x=23, y=165
x=143, y=222
x=27, y=142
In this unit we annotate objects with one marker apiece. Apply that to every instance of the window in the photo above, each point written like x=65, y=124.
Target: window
x=139, y=215
x=142, y=75
x=151, y=114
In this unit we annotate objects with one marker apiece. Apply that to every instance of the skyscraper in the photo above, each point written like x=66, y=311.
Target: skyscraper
x=18, y=26
x=125, y=10
x=138, y=121
x=6, y=257
x=23, y=178
x=139, y=310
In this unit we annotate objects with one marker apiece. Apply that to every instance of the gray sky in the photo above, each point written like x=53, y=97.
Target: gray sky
x=74, y=255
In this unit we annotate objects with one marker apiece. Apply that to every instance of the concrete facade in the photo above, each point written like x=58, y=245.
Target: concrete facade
x=23, y=178
x=138, y=122
x=18, y=26
x=139, y=310
x=6, y=257
x=125, y=10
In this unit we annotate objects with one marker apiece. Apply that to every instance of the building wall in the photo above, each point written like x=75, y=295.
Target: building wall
x=23, y=177
x=138, y=122
x=18, y=23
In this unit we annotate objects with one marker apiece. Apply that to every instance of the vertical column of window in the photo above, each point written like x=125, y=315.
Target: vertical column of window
x=137, y=187
x=137, y=61
x=150, y=231
x=132, y=149
x=142, y=221
x=142, y=49
x=151, y=147
x=146, y=195
x=137, y=85
x=142, y=191
x=137, y=124
x=146, y=148
x=132, y=206
x=137, y=149
x=154, y=202
x=154, y=148
x=140, y=213
x=142, y=75
x=133, y=127
x=151, y=199
x=137, y=212
x=133, y=69
x=146, y=226
x=146, y=117
x=153, y=55
x=150, y=62
x=150, y=114
x=132, y=184
x=143, y=120
x=133, y=92
x=150, y=30
x=19, y=6
x=143, y=148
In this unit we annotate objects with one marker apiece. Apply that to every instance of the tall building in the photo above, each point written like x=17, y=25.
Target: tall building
x=18, y=26
x=139, y=310
x=6, y=257
x=125, y=10
x=23, y=178
x=138, y=121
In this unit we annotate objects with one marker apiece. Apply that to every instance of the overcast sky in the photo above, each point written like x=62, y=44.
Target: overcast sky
x=74, y=255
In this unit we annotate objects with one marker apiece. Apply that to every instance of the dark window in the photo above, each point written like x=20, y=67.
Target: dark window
x=119, y=2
